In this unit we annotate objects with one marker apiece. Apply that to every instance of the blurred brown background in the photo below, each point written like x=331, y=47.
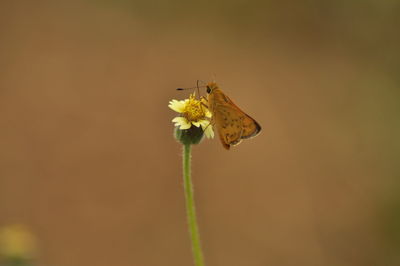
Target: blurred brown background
x=89, y=164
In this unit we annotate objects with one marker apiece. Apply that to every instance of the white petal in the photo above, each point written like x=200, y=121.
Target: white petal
x=178, y=119
x=208, y=113
x=177, y=106
x=204, y=123
x=207, y=127
x=209, y=132
x=186, y=126
x=197, y=124
x=181, y=122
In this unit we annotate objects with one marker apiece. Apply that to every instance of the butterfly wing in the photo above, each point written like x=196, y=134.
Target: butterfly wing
x=231, y=122
x=250, y=126
x=229, y=125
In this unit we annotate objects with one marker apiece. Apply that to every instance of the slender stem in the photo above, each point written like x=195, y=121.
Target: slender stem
x=190, y=210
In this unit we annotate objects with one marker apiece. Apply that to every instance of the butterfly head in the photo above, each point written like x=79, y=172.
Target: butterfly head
x=211, y=86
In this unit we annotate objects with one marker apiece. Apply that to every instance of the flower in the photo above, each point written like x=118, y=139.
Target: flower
x=193, y=112
x=17, y=242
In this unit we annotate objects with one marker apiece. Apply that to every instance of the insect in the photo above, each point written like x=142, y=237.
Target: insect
x=233, y=125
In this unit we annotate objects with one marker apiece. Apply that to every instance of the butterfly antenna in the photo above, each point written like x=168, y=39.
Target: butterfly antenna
x=198, y=89
x=192, y=88
x=214, y=77
x=183, y=89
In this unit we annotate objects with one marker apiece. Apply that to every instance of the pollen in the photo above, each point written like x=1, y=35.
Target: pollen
x=194, y=110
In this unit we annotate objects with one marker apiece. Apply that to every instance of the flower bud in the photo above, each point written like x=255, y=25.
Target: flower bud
x=193, y=135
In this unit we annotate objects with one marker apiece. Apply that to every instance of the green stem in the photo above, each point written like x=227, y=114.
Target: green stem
x=190, y=210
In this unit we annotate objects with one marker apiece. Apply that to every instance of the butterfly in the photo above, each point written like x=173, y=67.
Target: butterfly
x=233, y=125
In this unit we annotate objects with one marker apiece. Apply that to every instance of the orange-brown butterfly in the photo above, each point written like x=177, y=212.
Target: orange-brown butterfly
x=233, y=125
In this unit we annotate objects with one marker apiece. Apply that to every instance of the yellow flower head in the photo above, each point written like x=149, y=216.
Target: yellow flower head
x=193, y=112
x=16, y=241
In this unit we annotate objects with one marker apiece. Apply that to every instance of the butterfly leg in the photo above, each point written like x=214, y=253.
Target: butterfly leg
x=212, y=123
x=202, y=102
x=205, y=105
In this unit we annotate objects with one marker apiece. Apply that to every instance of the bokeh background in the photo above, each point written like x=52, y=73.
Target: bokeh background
x=87, y=158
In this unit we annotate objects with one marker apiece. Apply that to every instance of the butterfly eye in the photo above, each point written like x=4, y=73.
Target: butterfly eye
x=208, y=89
